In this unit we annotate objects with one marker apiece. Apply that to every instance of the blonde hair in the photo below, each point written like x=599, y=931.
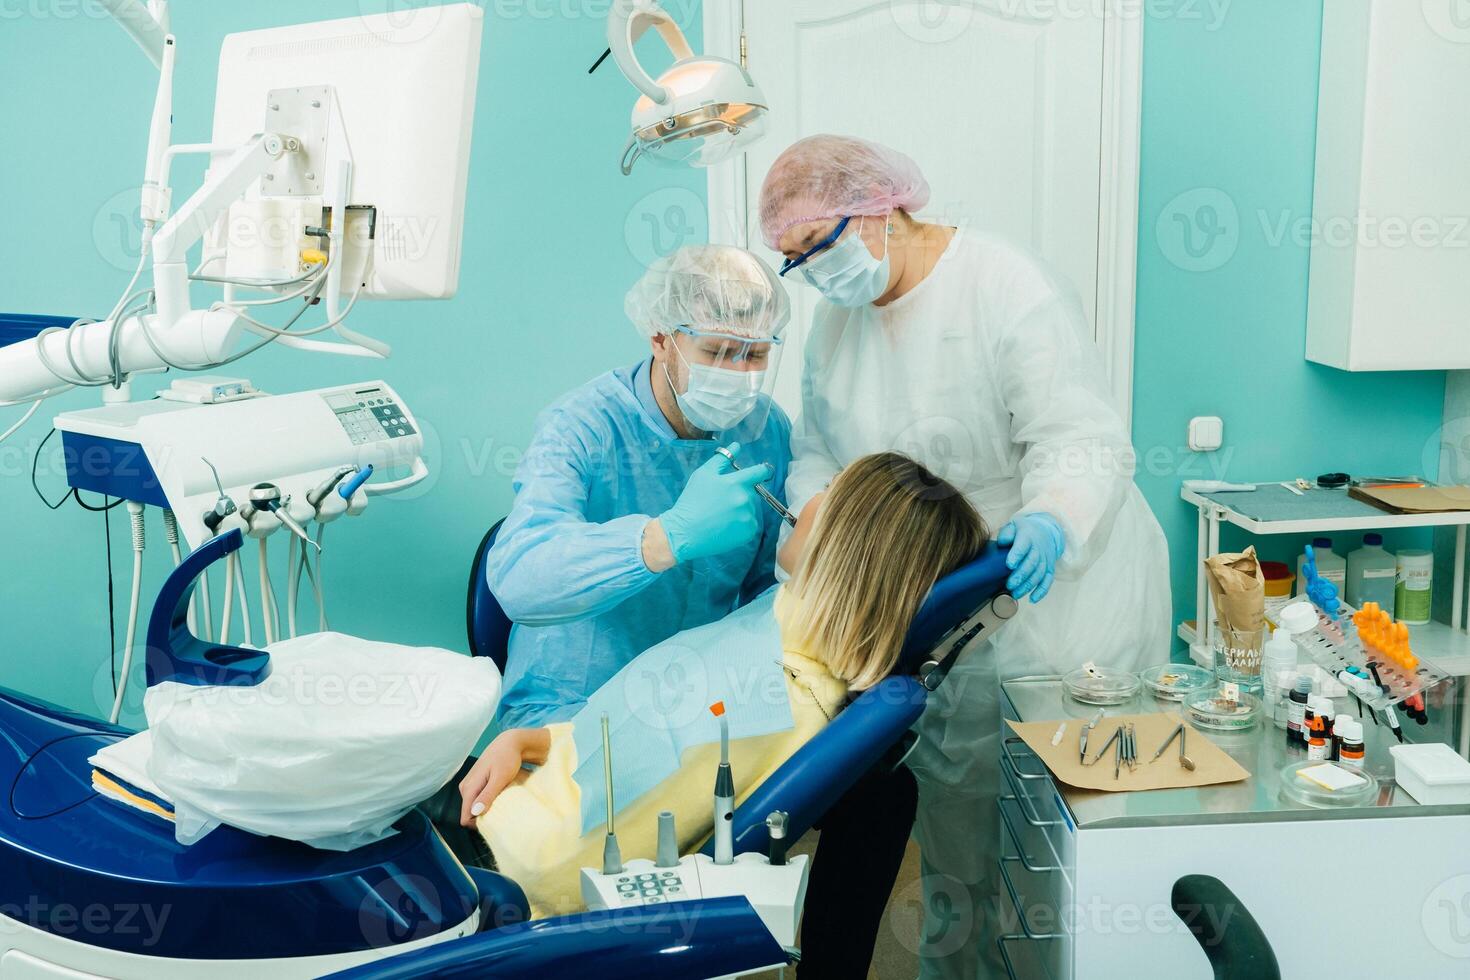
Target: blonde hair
x=886, y=532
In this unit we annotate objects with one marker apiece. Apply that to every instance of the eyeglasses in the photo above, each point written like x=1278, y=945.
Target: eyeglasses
x=732, y=349
x=825, y=243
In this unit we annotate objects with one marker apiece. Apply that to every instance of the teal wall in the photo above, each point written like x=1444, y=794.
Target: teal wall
x=1229, y=134
x=555, y=235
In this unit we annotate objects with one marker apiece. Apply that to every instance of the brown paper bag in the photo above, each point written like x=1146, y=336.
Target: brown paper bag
x=1238, y=587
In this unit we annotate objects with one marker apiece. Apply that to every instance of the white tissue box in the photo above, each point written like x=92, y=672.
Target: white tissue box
x=1432, y=774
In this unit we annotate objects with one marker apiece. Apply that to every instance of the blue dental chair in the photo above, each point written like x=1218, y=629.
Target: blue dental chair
x=965, y=604
x=237, y=896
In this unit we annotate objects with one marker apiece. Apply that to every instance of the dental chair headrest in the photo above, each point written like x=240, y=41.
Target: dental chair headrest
x=952, y=599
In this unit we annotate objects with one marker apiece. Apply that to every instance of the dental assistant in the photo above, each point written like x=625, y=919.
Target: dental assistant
x=627, y=526
x=969, y=355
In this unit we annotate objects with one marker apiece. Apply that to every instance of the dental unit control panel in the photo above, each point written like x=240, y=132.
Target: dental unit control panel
x=774, y=885
x=776, y=892
x=165, y=452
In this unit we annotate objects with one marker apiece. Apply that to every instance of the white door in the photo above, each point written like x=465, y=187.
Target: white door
x=1003, y=103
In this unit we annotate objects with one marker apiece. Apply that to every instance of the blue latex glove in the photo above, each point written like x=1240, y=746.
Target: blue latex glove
x=718, y=510
x=1036, y=542
x=1319, y=590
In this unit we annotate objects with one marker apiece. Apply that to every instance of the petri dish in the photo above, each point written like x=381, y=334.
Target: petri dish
x=1176, y=682
x=1101, y=685
x=1298, y=789
x=1218, y=714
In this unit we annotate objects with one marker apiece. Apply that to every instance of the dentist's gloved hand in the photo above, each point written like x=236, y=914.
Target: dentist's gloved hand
x=1036, y=542
x=1319, y=590
x=718, y=510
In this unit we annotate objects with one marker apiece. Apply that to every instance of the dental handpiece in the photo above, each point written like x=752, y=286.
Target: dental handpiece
x=724, y=793
x=760, y=488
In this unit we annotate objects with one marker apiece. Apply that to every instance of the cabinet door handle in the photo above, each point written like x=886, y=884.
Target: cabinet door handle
x=1020, y=910
x=1005, y=953
x=1021, y=855
x=1028, y=812
x=1005, y=747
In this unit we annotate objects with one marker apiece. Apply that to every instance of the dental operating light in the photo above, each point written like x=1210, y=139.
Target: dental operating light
x=702, y=110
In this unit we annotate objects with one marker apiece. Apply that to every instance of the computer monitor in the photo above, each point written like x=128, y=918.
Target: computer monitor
x=405, y=84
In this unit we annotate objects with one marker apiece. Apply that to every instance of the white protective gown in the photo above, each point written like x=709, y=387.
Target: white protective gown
x=985, y=373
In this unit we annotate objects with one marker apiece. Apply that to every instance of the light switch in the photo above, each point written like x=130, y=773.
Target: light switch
x=1206, y=433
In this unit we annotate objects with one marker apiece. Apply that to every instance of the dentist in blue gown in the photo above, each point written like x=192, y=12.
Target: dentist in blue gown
x=627, y=526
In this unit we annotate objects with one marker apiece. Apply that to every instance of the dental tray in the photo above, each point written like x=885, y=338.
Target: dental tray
x=1336, y=646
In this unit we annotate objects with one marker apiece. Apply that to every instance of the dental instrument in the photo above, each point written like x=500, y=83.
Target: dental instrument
x=1082, y=738
x=1173, y=734
x=724, y=792
x=1113, y=738
x=612, y=857
x=776, y=825
x=1061, y=730
x=760, y=488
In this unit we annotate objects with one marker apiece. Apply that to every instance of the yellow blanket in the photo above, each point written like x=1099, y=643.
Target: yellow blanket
x=534, y=826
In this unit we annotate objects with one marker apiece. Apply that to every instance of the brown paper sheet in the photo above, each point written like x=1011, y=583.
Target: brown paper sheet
x=1211, y=764
x=1415, y=500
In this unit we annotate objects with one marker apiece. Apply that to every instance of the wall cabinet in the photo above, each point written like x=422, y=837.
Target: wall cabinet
x=1390, y=228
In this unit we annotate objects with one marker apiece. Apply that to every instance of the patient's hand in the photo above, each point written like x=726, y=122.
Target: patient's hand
x=790, y=554
x=498, y=768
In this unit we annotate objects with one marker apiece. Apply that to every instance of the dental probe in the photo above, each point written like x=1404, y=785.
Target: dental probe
x=760, y=488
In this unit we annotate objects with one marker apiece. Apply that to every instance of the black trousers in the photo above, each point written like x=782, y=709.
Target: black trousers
x=858, y=856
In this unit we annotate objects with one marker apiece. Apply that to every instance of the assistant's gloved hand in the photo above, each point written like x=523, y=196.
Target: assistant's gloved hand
x=1319, y=590
x=718, y=510
x=1036, y=542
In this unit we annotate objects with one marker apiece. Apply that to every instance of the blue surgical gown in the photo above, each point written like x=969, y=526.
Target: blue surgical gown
x=567, y=564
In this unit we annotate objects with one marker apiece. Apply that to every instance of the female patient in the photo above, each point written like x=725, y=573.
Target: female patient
x=886, y=531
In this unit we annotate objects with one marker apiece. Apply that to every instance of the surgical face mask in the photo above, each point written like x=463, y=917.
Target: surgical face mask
x=847, y=274
x=717, y=399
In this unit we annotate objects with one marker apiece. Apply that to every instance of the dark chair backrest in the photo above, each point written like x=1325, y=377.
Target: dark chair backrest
x=485, y=620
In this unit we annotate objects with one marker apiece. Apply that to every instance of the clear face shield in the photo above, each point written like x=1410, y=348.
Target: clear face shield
x=723, y=383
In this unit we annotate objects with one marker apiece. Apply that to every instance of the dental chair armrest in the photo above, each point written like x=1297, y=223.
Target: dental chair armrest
x=823, y=769
x=502, y=901
x=677, y=941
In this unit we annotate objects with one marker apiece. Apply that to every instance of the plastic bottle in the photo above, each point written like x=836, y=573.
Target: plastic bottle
x=1372, y=574
x=1296, y=711
x=1330, y=565
x=1351, y=753
x=1277, y=657
x=1413, y=596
